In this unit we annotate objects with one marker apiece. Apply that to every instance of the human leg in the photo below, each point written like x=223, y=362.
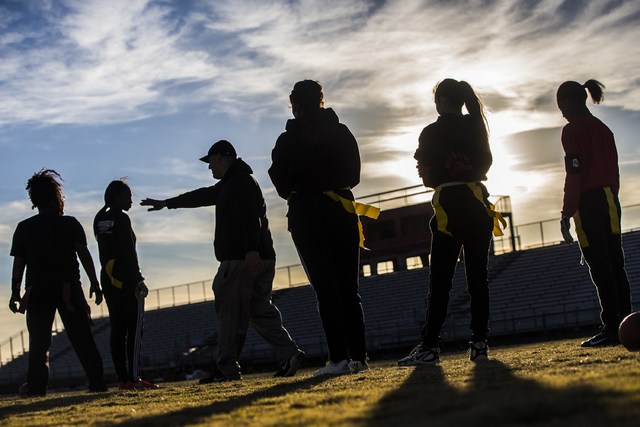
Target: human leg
x=135, y=322
x=118, y=322
x=266, y=318
x=445, y=251
x=476, y=258
x=232, y=288
x=314, y=247
x=39, y=321
x=346, y=259
x=76, y=324
x=594, y=227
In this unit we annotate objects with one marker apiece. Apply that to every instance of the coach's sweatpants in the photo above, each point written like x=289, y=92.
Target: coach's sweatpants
x=469, y=228
x=598, y=229
x=242, y=298
x=126, y=315
x=72, y=307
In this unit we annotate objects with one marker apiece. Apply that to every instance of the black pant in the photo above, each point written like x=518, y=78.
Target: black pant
x=126, y=315
x=327, y=239
x=598, y=229
x=470, y=228
x=73, y=313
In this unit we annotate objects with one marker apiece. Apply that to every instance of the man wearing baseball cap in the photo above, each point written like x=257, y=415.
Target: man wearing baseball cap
x=243, y=245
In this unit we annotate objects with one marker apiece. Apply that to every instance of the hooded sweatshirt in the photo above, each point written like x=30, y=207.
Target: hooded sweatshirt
x=330, y=162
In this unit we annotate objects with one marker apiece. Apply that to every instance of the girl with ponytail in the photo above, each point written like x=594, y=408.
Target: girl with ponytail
x=591, y=197
x=453, y=157
x=122, y=283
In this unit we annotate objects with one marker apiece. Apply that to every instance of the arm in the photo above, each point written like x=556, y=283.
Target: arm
x=354, y=157
x=87, y=263
x=19, y=264
x=279, y=169
x=422, y=155
x=571, y=198
x=207, y=196
x=127, y=247
x=246, y=207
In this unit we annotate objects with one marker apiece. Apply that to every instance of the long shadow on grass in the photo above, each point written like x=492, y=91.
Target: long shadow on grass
x=36, y=404
x=494, y=395
x=195, y=415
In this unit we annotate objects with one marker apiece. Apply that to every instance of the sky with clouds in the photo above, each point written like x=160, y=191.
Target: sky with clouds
x=99, y=90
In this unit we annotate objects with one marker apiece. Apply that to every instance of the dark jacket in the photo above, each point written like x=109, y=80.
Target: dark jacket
x=241, y=213
x=330, y=163
x=453, y=150
x=117, y=242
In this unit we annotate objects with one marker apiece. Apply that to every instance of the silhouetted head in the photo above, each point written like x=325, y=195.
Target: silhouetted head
x=306, y=96
x=572, y=97
x=220, y=157
x=45, y=191
x=118, y=195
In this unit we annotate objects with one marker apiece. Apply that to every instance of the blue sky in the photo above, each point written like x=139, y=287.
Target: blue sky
x=99, y=90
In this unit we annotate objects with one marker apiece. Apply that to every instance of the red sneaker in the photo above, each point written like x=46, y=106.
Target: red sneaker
x=141, y=384
x=125, y=386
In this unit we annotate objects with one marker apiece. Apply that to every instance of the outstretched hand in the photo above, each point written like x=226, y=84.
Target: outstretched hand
x=156, y=205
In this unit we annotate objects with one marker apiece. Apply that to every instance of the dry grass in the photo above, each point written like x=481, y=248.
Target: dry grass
x=555, y=383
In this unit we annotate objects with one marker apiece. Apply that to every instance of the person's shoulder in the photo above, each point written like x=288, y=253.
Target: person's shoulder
x=430, y=129
x=68, y=219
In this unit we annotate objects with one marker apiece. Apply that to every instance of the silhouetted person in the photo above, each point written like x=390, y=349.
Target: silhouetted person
x=244, y=247
x=122, y=283
x=591, y=198
x=453, y=158
x=47, y=244
x=316, y=163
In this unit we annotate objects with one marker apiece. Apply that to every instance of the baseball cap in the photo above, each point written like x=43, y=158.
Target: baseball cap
x=223, y=147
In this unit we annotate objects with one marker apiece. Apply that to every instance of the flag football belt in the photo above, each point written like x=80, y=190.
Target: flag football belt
x=356, y=208
x=613, y=217
x=443, y=220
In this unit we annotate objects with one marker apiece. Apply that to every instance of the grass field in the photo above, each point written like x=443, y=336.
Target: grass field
x=545, y=384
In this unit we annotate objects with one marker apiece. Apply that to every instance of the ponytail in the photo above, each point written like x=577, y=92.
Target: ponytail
x=575, y=92
x=461, y=93
x=596, y=90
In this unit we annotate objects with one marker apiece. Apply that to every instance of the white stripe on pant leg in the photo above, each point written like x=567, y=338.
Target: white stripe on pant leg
x=138, y=341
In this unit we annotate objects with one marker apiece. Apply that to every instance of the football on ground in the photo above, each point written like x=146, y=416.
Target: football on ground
x=24, y=389
x=629, y=332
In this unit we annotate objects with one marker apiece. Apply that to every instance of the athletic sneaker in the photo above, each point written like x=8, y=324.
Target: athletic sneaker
x=357, y=366
x=421, y=356
x=478, y=351
x=603, y=339
x=140, y=385
x=340, y=368
x=124, y=385
x=217, y=377
x=290, y=367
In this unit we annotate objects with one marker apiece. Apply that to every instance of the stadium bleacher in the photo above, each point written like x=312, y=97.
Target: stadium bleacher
x=540, y=289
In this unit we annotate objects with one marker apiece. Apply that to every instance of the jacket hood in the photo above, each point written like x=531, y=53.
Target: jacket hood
x=238, y=165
